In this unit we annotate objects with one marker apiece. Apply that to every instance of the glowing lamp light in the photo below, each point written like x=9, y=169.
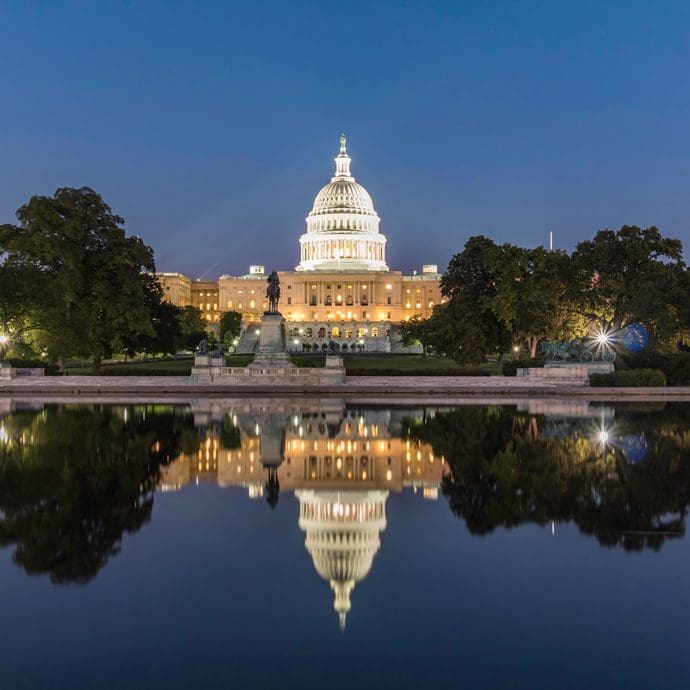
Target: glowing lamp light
x=603, y=436
x=603, y=338
x=516, y=348
x=4, y=339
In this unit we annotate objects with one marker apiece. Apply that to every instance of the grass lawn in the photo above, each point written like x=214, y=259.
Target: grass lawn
x=400, y=362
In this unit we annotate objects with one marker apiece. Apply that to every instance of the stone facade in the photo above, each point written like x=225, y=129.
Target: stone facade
x=342, y=289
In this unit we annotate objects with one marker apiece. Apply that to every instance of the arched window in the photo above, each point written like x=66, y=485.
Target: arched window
x=329, y=301
x=364, y=301
x=322, y=332
x=309, y=332
x=251, y=304
x=375, y=332
x=348, y=300
x=312, y=301
x=348, y=332
x=335, y=332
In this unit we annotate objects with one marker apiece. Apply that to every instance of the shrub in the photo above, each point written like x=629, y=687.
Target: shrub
x=50, y=369
x=388, y=371
x=511, y=366
x=309, y=362
x=629, y=378
x=676, y=365
x=141, y=370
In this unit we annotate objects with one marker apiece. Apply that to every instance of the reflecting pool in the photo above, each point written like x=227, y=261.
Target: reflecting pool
x=247, y=543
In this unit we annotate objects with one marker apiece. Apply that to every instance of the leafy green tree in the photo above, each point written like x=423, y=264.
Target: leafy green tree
x=230, y=325
x=192, y=325
x=21, y=292
x=532, y=295
x=633, y=275
x=99, y=282
x=465, y=327
x=167, y=338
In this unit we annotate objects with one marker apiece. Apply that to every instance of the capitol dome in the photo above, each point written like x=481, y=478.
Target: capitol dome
x=342, y=536
x=343, y=226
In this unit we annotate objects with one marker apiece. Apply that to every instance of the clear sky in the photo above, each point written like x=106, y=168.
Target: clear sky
x=211, y=126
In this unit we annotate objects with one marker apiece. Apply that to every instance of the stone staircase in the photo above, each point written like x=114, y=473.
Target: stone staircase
x=248, y=342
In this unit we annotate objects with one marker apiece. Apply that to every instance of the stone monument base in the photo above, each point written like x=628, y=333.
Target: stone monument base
x=592, y=367
x=272, y=352
x=206, y=368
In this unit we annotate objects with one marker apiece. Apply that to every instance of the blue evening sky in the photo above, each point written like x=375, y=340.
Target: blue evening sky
x=210, y=126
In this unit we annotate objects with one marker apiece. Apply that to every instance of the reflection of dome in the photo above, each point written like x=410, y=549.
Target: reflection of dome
x=343, y=226
x=342, y=536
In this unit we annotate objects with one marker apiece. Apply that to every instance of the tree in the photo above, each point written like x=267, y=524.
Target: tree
x=633, y=275
x=167, y=338
x=192, y=325
x=465, y=327
x=21, y=291
x=100, y=283
x=230, y=325
x=532, y=295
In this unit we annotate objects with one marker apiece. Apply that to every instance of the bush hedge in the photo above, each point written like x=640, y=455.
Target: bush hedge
x=676, y=365
x=50, y=369
x=510, y=367
x=389, y=371
x=138, y=370
x=629, y=378
x=309, y=362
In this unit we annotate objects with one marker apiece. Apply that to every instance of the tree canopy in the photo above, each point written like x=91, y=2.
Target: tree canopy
x=93, y=286
x=503, y=297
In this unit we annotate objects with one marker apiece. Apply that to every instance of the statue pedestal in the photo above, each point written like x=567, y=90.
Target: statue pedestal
x=206, y=368
x=272, y=351
x=591, y=367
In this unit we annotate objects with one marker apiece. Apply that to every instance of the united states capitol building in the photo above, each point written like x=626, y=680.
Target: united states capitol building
x=342, y=289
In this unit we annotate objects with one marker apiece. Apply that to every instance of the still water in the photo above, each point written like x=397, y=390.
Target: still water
x=313, y=544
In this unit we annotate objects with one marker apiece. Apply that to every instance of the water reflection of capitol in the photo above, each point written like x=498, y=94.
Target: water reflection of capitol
x=341, y=463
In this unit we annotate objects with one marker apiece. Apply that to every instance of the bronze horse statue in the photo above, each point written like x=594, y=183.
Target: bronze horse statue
x=273, y=292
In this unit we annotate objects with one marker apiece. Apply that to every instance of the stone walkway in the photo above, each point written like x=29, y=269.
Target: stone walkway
x=376, y=386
